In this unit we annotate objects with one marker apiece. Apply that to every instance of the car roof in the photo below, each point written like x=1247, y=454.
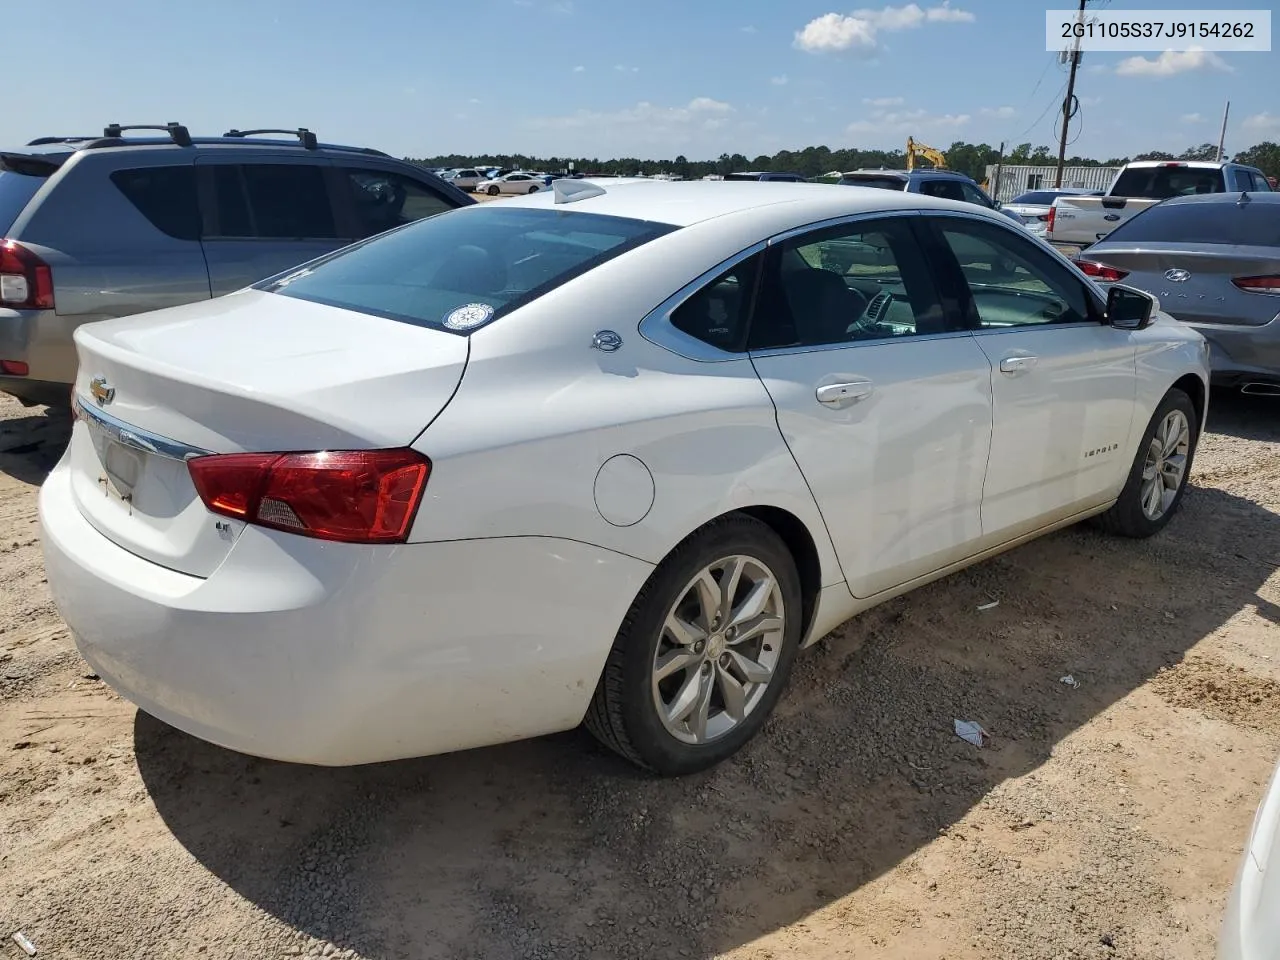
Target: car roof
x=908, y=174
x=1198, y=164
x=59, y=149
x=683, y=203
x=1260, y=196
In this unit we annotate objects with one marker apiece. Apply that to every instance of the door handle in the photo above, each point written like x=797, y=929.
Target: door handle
x=1016, y=365
x=843, y=394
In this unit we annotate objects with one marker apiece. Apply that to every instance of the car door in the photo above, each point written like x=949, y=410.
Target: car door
x=263, y=215
x=885, y=406
x=1063, y=383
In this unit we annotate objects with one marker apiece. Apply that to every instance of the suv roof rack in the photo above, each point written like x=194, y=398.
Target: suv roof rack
x=305, y=136
x=177, y=132
x=44, y=141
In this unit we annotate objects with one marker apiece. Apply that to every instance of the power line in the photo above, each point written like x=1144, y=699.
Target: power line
x=1052, y=103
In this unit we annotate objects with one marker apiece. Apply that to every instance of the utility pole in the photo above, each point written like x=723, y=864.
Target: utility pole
x=1068, y=104
x=1222, y=137
x=995, y=180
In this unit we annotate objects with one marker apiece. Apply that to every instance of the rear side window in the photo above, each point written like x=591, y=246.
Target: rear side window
x=166, y=196
x=462, y=269
x=385, y=200
x=1161, y=183
x=717, y=314
x=16, y=191
x=273, y=201
x=946, y=189
x=1252, y=224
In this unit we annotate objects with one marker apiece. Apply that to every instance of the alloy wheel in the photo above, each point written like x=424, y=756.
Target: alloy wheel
x=1165, y=467
x=719, y=649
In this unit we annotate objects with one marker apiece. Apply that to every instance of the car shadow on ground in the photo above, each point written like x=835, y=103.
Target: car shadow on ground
x=553, y=848
x=31, y=445
x=1235, y=414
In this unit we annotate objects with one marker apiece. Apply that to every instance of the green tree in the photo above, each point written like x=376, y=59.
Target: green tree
x=1206, y=151
x=1265, y=156
x=1155, y=155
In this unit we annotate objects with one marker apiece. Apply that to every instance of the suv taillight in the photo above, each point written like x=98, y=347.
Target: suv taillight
x=357, y=496
x=26, y=282
x=1053, y=213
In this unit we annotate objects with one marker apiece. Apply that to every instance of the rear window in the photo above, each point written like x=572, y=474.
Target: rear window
x=1042, y=198
x=1253, y=224
x=461, y=269
x=166, y=196
x=1161, y=183
x=16, y=191
x=884, y=183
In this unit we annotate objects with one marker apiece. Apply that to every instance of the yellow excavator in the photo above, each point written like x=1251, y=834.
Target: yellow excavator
x=936, y=157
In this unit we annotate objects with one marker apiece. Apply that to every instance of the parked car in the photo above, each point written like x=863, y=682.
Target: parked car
x=467, y=178
x=767, y=177
x=1034, y=205
x=1251, y=928
x=502, y=509
x=947, y=184
x=516, y=183
x=1075, y=223
x=99, y=227
x=1214, y=262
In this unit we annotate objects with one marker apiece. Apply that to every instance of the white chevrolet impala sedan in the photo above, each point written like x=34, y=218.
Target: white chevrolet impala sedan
x=610, y=453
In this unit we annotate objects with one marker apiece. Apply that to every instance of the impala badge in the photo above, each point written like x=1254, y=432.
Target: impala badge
x=1177, y=275
x=102, y=391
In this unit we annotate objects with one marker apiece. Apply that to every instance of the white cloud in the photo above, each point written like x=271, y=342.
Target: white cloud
x=703, y=112
x=1262, y=123
x=1090, y=101
x=749, y=29
x=562, y=7
x=474, y=100
x=1097, y=68
x=1171, y=62
x=1000, y=113
x=907, y=121
x=1192, y=118
x=579, y=69
x=858, y=33
x=884, y=101
x=622, y=68
x=779, y=81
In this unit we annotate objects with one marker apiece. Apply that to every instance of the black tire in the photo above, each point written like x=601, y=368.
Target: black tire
x=533, y=189
x=623, y=715
x=493, y=191
x=1126, y=518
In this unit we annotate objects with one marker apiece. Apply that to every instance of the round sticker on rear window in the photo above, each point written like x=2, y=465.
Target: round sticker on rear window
x=468, y=316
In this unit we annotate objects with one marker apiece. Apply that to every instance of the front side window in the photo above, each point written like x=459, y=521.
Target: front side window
x=487, y=260
x=273, y=201
x=385, y=200
x=1011, y=281
x=974, y=195
x=842, y=285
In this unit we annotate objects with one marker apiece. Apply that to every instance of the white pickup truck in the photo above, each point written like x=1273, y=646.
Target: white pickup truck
x=1076, y=222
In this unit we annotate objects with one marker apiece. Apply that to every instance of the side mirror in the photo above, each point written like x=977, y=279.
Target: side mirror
x=1130, y=309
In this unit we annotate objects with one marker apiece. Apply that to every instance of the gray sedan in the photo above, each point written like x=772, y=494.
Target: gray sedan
x=1214, y=262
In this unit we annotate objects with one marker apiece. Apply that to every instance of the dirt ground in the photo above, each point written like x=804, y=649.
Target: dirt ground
x=1101, y=821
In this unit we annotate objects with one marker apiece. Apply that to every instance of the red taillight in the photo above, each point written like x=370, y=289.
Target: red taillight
x=26, y=282
x=14, y=368
x=1100, y=271
x=1053, y=213
x=357, y=496
x=1268, y=284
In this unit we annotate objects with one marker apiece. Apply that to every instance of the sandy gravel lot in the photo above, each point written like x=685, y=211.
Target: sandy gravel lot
x=1103, y=821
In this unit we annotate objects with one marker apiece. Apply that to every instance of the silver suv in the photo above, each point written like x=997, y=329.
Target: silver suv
x=98, y=227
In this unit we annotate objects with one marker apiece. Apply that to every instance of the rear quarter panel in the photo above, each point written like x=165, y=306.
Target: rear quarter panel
x=539, y=412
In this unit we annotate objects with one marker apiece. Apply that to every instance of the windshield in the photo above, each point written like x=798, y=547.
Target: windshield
x=884, y=183
x=462, y=269
x=16, y=191
x=1161, y=183
x=1252, y=224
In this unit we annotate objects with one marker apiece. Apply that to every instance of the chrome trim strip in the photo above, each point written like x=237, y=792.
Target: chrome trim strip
x=854, y=344
x=137, y=438
x=842, y=220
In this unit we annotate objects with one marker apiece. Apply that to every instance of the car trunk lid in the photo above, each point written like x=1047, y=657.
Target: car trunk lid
x=1194, y=281
x=252, y=371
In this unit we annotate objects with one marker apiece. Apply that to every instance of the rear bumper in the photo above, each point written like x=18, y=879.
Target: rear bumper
x=33, y=392
x=1241, y=354
x=335, y=654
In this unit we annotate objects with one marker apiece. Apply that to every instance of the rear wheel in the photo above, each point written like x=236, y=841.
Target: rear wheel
x=533, y=189
x=493, y=191
x=705, y=651
x=1158, y=477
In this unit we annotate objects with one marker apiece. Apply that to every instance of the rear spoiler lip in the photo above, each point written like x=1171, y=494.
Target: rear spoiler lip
x=32, y=164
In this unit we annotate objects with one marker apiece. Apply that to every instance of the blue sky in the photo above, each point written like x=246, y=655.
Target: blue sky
x=606, y=78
